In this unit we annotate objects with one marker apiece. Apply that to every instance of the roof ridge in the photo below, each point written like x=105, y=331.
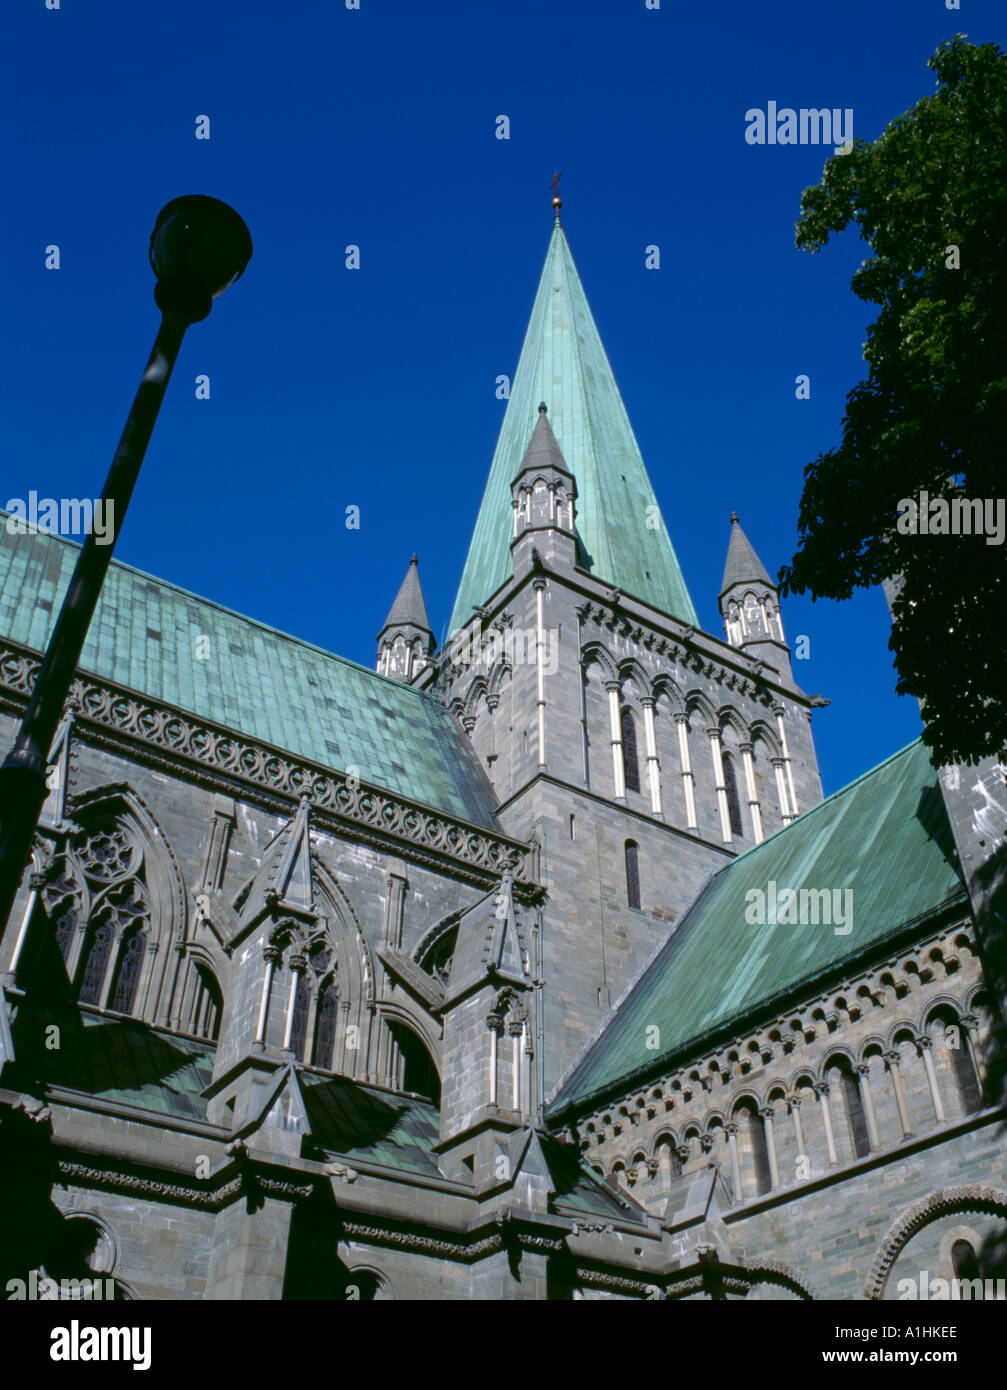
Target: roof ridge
x=50, y=536
x=829, y=800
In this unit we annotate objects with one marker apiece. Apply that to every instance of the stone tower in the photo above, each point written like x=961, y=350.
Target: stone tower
x=750, y=604
x=635, y=751
x=406, y=640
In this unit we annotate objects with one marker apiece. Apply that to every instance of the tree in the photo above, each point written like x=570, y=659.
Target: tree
x=930, y=198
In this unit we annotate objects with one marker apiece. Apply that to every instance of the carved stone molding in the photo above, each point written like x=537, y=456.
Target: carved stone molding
x=810, y=1018
x=425, y=1245
x=966, y=1197
x=168, y=738
x=118, y=1179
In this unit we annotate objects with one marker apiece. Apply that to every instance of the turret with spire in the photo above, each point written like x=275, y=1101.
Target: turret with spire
x=543, y=498
x=406, y=642
x=750, y=604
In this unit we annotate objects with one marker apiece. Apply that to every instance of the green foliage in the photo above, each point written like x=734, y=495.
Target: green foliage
x=931, y=414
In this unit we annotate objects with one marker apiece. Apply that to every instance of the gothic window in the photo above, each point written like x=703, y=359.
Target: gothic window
x=630, y=756
x=731, y=786
x=325, y=1026
x=65, y=923
x=107, y=854
x=127, y=975
x=298, y=1032
x=115, y=945
x=632, y=873
x=99, y=950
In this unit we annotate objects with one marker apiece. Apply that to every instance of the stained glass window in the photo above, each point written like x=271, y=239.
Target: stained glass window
x=298, y=1033
x=64, y=922
x=630, y=756
x=93, y=977
x=128, y=975
x=325, y=1029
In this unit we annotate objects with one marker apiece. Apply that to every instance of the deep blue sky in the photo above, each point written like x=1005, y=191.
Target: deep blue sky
x=376, y=387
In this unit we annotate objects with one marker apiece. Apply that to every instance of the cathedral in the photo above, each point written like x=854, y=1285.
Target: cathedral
x=531, y=967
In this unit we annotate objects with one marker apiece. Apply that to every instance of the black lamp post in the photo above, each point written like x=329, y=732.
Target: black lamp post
x=199, y=246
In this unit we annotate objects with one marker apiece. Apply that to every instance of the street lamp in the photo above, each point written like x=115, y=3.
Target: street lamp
x=199, y=246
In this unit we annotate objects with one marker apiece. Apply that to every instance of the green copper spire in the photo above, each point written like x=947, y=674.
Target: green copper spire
x=563, y=363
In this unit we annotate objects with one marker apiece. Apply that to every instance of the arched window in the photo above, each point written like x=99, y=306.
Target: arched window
x=845, y=1088
x=965, y=1076
x=115, y=944
x=669, y=1162
x=632, y=873
x=127, y=976
x=630, y=756
x=325, y=1025
x=62, y=901
x=299, y=1030
x=98, y=952
x=963, y=1260
x=733, y=803
x=207, y=1005
x=417, y=1071
x=952, y=1053
x=753, y=1135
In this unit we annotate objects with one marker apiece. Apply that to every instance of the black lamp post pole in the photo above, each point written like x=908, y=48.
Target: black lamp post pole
x=23, y=775
x=199, y=246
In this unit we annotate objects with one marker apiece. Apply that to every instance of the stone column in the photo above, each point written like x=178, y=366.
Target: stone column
x=782, y=731
x=688, y=780
x=516, y=1031
x=272, y=955
x=653, y=766
x=892, y=1060
x=974, y=1044
x=718, y=776
x=615, y=721
x=794, y=1110
x=822, y=1092
x=863, y=1070
x=767, y=1123
x=539, y=587
x=297, y=964
x=36, y=882
x=781, y=791
x=496, y=1027
x=753, y=799
x=731, y=1130
x=924, y=1046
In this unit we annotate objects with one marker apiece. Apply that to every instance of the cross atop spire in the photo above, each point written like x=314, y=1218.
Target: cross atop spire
x=557, y=201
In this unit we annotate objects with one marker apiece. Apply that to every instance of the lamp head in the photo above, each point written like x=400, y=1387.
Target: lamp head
x=199, y=246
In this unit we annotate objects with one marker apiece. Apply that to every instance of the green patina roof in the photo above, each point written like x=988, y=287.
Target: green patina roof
x=371, y=1126
x=255, y=680
x=563, y=364
x=365, y=1125
x=114, y=1058
x=885, y=837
